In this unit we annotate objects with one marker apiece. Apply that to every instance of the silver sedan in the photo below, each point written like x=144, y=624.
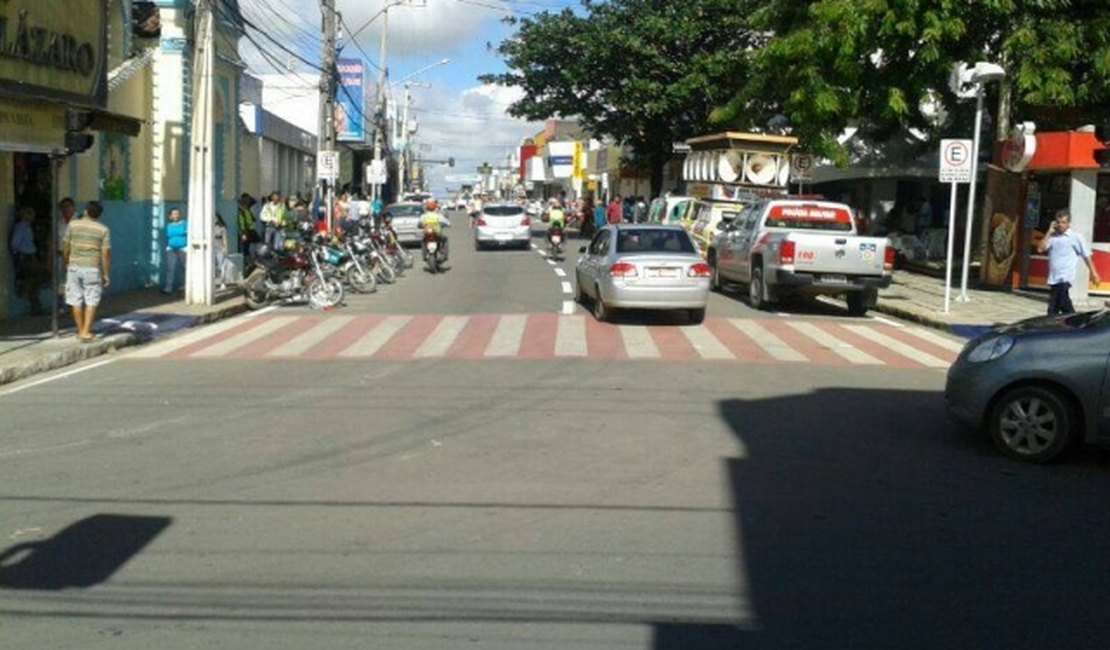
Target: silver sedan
x=642, y=267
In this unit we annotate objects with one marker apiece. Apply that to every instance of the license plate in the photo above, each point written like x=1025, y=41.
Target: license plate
x=432, y=246
x=833, y=279
x=662, y=273
x=555, y=239
x=504, y=235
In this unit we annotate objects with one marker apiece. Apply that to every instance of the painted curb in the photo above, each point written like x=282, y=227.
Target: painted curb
x=81, y=352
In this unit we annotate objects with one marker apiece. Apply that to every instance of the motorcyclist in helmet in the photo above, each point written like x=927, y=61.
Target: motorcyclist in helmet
x=556, y=217
x=432, y=219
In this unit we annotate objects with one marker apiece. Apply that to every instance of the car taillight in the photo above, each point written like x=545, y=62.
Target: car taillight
x=526, y=221
x=699, y=270
x=622, y=270
x=888, y=258
x=481, y=221
x=786, y=252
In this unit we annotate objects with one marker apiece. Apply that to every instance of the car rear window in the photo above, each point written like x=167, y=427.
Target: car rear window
x=405, y=210
x=654, y=241
x=503, y=210
x=810, y=217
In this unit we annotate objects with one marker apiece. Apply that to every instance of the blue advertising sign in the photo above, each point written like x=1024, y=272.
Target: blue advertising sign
x=350, y=102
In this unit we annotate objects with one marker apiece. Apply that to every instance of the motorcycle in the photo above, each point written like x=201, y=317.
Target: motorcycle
x=555, y=242
x=293, y=276
x=355, y=267
x=435, y=252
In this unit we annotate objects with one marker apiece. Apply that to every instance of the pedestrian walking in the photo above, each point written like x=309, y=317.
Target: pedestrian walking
x=1064, y=247
x=614, y=213
x=177, y=238
x=86, y=252
x=28, y=260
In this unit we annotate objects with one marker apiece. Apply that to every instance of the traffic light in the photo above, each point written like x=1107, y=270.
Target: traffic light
x=76, y=122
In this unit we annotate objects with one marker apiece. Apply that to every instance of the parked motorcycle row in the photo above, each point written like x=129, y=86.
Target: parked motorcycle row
x=320, y=267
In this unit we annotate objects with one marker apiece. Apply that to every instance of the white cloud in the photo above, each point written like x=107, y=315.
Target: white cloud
x=422, y=27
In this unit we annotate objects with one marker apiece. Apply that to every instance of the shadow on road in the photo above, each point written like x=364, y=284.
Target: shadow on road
x=866, y=520
x=83, y=554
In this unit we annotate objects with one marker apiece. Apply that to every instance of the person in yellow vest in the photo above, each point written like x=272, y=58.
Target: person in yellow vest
x=434, y=220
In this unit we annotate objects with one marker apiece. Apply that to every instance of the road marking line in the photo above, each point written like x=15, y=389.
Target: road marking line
x=705, y=344
x=507, y=336
x=770, y=343
x=567, y=289
x=935, y=339
x=259, y=312
x=638, y=343
x=560, y=272
x=244, y=338
x=568, y=307
x=307, y=340
x=842, y=348
x=68, y=373
x=894, y=345
x=197, y=335
x=442, y=337
x=892, y=323
x=570, y=338
x=552, y=263
x=377, y=337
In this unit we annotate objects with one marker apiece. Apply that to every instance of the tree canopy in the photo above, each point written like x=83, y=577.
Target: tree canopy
x=652, y=72
x=644, y=72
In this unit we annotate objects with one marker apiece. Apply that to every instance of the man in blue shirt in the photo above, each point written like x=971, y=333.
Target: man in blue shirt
x=28, y=262
x=177, y=238
x=1064, y=248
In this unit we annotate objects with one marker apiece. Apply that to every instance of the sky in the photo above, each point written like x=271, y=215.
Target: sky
x=458, y=116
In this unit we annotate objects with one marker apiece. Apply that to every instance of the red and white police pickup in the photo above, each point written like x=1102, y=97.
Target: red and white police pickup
x=796, y=246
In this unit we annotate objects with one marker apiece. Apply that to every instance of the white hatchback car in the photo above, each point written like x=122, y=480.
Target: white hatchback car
x=503, y=225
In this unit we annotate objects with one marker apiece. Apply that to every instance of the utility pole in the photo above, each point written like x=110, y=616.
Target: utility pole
x=326, y=141
x=405, y=140
x=199, y=271
x=379, y=131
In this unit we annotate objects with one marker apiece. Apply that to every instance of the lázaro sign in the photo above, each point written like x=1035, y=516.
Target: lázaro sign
x=54, y=49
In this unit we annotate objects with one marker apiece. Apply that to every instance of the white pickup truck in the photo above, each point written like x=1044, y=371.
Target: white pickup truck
x=793, y=246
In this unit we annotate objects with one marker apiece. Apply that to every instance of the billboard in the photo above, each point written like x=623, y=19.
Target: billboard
x=350, y=102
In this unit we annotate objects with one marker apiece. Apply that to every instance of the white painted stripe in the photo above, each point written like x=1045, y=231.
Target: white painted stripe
x=638, y=343
x=507, y=336
x=377, y=337
x=706, y=345
x=68, y=373
x=570, y=339
x=567, y=289
x=173, y=344
x=951, y=345
x=560, y=272
x=260, y=312
x=551, y=262
x=767, y=341
x=892, y=323
x=244, y=338
x=442, y=337
x=894, y=345
x=842, y=348
x=307, y=340
x=568, y=307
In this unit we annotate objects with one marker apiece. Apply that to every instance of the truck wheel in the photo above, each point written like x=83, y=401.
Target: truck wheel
x=757, y=291
x=861, y=301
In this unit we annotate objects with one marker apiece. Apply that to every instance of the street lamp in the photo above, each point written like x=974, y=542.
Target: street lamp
x=421, y=71
x=977, y=77
x=405, y=118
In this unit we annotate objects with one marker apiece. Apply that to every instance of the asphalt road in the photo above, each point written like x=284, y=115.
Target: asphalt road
x=216, y=493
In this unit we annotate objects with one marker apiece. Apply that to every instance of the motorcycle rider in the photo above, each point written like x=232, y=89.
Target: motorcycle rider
x=432, y=219
x=556, y=220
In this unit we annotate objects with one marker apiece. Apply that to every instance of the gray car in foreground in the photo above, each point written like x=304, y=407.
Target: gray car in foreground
x=1036, y=386
x=642, y=267
x=406, y=221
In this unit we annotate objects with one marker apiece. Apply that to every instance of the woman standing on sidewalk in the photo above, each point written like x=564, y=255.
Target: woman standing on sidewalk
x=177, y=239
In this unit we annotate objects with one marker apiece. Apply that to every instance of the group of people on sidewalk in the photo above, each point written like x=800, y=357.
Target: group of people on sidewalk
x=281, y=217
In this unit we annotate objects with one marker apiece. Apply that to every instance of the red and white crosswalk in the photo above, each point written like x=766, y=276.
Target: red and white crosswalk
x=551, y=336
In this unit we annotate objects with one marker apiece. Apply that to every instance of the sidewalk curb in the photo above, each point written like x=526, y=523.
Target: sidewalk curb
x=83, y=352
x=913, y=317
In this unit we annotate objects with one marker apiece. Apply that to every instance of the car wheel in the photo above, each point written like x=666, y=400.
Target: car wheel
x=715, y=273
x=477, y=245
x=697, y=315
x=756, y=290
x=1032, y=423
x=858, y=303
x=601, y=312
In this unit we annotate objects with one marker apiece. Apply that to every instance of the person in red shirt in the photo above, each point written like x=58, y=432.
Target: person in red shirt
x=614, y=213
